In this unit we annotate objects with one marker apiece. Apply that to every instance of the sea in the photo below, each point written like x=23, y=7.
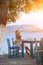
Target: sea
x=24, y=35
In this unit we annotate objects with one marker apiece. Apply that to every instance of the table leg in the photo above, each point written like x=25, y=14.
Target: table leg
x=22, y=49
x=31, y=47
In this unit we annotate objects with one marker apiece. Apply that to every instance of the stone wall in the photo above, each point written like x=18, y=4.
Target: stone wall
x=2, y=32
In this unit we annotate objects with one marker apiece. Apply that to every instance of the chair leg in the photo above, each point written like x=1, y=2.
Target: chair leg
x=18, y=52
x=9, y=53
x=13, y=52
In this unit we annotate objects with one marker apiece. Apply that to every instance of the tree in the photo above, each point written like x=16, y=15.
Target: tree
x=10, y=9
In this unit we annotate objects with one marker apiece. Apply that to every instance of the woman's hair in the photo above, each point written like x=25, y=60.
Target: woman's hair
x=18, y=36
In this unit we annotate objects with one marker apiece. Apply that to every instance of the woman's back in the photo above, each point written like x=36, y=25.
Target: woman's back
x=18, y=43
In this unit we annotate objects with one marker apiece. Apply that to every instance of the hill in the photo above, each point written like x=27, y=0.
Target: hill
x=24, y=28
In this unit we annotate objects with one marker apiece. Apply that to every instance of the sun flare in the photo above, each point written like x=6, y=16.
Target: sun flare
x=33, y=18
x=36, y=18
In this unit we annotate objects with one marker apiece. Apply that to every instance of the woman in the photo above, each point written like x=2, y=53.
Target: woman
x=18, y=41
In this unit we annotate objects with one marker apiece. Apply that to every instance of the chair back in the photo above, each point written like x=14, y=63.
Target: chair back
x=8, y=41
x=12, y=41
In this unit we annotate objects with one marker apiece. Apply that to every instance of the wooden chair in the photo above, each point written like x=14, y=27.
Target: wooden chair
x=12, y=49
x=18, y=45
x=39, y=57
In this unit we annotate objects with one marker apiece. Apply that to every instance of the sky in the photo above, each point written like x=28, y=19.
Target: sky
x=32, y=18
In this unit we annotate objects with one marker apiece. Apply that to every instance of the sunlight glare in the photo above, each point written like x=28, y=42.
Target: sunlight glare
x=32, y=18
x=36, y=18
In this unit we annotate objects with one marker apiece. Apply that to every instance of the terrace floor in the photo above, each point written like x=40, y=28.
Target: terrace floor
x=26, y=60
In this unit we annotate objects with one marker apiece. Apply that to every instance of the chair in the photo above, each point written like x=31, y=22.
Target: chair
x=39, y=57
x=12, y=49
x=19, y=44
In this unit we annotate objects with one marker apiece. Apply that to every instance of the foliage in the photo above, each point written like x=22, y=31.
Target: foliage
x=10, y=9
